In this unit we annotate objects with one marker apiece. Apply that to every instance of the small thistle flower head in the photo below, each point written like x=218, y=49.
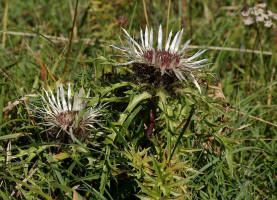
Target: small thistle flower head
x=60, y=112
x=168, y=59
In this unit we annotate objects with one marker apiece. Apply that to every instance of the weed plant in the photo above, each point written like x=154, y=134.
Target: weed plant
x=151, y=141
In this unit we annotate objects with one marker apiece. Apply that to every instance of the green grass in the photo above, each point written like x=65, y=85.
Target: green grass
x=226, y=150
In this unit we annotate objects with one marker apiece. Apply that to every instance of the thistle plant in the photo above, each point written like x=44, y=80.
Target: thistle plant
x=60, y=114
x=161, y=64
x=163, y=67
x=158, y=177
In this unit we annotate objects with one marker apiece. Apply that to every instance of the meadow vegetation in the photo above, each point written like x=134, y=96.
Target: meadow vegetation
x=151, y=141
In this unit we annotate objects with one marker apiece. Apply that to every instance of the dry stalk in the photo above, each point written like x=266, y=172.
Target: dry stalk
x=71, y=38
x=90, y=42
x=11, y=105
x=269, y=96
x=25, y=180
x=145, y=12
x=5, y=22
x=167, y=19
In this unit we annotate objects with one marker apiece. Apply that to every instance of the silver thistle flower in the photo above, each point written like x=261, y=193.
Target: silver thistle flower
x=63, y=113
x=168, y=58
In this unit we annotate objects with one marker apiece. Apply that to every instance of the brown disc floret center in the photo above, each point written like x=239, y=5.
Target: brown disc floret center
x=164, y=58
x=66, y=118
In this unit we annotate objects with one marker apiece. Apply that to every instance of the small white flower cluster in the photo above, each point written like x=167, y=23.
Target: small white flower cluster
x=258, y=14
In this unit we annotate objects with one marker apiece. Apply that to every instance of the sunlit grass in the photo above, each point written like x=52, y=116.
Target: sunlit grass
x=226, y=150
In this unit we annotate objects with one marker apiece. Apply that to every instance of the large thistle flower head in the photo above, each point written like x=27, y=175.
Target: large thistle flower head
x=168, y=58
x=61, y=112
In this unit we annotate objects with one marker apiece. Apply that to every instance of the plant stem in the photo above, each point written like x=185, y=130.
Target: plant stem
x=167, y=19
x=182, y=132
x=71, y=38
x=151, y=125
x=5, y=21
x=145, y=12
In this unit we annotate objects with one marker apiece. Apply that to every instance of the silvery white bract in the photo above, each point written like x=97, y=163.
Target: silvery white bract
x=168, y=57
x=61, y=112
